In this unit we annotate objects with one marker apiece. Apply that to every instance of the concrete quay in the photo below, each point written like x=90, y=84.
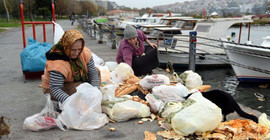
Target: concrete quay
x=21, y=98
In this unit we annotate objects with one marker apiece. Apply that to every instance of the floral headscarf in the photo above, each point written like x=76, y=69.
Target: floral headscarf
x=61, y=51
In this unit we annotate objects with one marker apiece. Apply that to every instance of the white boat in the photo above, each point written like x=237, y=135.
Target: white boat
x=250, y=63
x=207, y=30
x=152, y=19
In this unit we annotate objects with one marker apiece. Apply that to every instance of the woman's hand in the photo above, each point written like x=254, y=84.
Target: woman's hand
x=153, y=45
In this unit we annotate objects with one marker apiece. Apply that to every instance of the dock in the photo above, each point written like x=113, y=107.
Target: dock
x=21, y=98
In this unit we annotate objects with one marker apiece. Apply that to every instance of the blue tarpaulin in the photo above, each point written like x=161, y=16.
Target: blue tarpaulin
x=33, y=57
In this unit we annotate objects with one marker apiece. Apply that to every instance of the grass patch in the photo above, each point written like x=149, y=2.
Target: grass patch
x=12, y=23
x=2, y=30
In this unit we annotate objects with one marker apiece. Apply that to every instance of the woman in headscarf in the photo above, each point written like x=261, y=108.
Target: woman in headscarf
x=69, y=63
x=142, y=59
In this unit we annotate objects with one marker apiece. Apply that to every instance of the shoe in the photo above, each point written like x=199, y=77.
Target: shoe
x=58, y=109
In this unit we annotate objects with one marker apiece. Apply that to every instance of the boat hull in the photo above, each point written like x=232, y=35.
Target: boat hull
x=250, y=57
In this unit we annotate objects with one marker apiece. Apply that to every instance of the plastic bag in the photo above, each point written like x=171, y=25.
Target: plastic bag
x=125, y=110
x=98, y=61
x=155, y=103
x=33, y=58
x=123, y=71
x=108, y=92
x=150, y=81
x=191, y=79
x=111, y=65
x=105, y=75
x=82, y=110
x=115, y=79
x=44, y=120
x=197, y=115
x=171, y=93
x=58, y=33
x=169, y=108
x=264, y=121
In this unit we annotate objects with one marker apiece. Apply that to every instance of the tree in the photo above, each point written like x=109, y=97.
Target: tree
x=8, y=20
x=61, y=8
x=88, y=6
x=43, y=8
x=73, y=7
x=28, y=4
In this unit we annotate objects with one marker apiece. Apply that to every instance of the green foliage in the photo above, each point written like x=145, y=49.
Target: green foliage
x=43, y=11
x=13, y=23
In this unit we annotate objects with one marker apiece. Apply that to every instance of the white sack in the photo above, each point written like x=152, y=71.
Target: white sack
x=123, y=71
x=105, y=75
x=98, y=61
x=169, y=108
x=108, y=92
x=82, y=110
x=191, y=79
x=111, y=65
x=155, y=103
x=44, y=120
x=126, y=110
x=171, y=93
x=150, y=81
x=201, y=116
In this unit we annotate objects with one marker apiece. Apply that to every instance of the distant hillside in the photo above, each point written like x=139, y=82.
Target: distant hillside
x=220, y=6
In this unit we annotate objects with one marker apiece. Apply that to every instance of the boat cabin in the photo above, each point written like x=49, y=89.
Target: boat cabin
x=177, y=28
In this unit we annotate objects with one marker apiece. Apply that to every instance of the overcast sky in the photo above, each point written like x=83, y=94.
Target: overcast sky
x=145, y=3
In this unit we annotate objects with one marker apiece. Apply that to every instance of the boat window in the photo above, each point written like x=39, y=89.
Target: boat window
x=161, y=21
x=165, y=22
x=179, y=24
x=173, y=22
x=189, y=24
x=203, y=28
x=155, y=33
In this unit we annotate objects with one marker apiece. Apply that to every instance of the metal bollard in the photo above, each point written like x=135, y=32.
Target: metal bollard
x=100, y=41
x=192, y=50
x=113, y=37
x=90, y=31
x=95, y=31
x=173, y=44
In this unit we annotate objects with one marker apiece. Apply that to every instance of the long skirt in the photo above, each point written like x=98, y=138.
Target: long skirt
x=146, y=63
x=69, y=88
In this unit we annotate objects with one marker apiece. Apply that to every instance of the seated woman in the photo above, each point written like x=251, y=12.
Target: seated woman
x=68, y=64
x=142, y=59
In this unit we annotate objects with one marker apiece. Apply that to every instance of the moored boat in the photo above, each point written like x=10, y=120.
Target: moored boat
x=250, y=63
x=208, y=47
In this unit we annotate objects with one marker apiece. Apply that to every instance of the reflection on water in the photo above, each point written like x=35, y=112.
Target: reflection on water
x=224, y=79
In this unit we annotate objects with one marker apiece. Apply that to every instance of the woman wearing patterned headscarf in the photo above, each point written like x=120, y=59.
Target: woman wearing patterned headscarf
x=68, y=64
